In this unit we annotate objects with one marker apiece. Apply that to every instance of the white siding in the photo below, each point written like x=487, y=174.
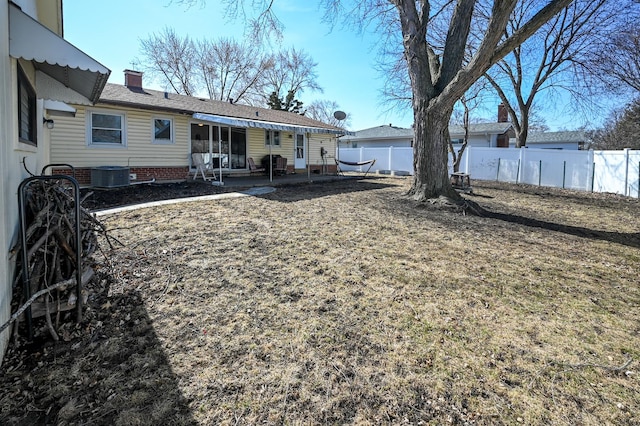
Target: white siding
x=326, y=141
x=8, y=199
x=257, y=148
x=69, y=141
x=12, y=155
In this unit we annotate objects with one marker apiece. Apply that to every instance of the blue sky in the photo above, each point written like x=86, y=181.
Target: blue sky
x=111, y=33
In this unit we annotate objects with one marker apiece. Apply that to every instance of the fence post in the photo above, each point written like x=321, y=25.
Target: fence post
x=498, y=173
x=627, y=189
x=564, y=172
x=591, y=163
x=521, y=163
x=540, y=174
x=466, y=159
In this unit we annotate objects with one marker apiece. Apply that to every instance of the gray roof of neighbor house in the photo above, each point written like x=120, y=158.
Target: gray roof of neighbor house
x=392, y=132
x=481, y=129
x=119, y=95
x=381, y=132
x=556, y=137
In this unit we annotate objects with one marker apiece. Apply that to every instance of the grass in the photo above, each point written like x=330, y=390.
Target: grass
x=345, y=303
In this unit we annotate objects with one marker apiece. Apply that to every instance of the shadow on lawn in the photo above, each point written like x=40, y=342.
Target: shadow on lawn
x=112, y=371
x=630, y=239
x=289, y=193
x=627, y=239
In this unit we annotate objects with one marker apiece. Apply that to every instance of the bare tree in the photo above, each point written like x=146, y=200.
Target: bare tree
x=324, y=111
x=440, y=70
x=621, y=130
x=441, y=75
x=172, y=59
x=550, y=59
x=619, y=61
x=231, y=70
x=293, y=71
x=470, y=101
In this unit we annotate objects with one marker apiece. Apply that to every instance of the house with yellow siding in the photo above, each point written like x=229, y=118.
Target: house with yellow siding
x=151, y=135
x=40, y=73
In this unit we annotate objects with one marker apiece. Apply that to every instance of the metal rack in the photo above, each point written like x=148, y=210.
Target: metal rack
x=26, y=287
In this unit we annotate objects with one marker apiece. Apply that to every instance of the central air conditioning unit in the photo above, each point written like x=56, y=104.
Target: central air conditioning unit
x=109, y=176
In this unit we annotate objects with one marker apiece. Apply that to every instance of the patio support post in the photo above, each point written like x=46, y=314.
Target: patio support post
x=270, y=159
x=308, y=159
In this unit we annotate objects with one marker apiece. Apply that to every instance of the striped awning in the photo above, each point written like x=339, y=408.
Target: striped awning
x=64, y=65
x=268, y=125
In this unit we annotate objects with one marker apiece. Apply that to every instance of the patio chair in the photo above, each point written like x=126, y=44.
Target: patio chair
x=281, y=165
x=202, y=167
x=253, y=168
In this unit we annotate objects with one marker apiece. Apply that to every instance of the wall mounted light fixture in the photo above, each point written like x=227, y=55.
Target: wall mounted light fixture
x=48, y=122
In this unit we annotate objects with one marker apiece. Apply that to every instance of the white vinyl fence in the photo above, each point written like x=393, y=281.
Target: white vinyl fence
x=598, y=171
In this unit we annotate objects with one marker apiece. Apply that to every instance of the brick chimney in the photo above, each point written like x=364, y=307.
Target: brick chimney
x=503, y=114
x=133, y=79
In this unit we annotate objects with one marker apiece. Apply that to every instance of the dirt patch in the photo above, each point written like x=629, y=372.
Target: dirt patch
x=346, y=303
x=100, y=199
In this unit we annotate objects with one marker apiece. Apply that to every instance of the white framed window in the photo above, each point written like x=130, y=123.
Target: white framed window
x=26, y=110
x=106, y=129
x=272, y=137
x=162, y=130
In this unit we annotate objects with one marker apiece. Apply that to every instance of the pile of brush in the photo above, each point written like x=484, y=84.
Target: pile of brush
x=50, y=254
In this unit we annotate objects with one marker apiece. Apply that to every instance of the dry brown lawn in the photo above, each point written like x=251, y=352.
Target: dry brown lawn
x=345, y=303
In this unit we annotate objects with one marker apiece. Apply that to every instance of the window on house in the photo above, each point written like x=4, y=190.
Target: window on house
x=26, y=110
x=162, y=130
x=107, y=129
x=272, y=137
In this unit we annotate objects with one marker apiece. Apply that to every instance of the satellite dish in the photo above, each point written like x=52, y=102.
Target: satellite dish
x=339, y=115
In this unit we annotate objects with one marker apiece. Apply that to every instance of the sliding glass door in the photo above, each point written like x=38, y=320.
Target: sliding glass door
x=224, y=147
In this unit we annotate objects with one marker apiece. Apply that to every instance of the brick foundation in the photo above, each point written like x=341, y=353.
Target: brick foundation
x=317, y=168
x=83, y=175
x=160, y=174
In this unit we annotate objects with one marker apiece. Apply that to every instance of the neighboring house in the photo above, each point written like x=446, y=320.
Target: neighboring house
x=480, y=134
x=488, y=135
x=39, y=71
x=378, y=137
x=555, y=140
x=152, y=133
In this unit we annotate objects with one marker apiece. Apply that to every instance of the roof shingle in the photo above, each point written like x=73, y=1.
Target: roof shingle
x=116, y=94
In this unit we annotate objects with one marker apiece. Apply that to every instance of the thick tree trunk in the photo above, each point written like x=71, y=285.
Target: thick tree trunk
x=431, y=140
x=523, y=132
